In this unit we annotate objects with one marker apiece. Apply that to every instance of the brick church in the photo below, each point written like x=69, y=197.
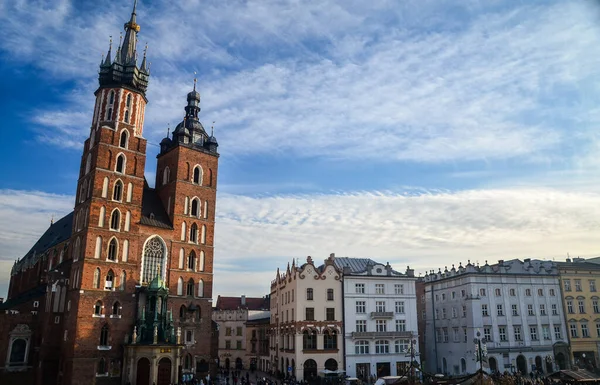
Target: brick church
x=119, y=290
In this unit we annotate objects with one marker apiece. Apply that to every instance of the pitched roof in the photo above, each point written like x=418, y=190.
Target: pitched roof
x=58, y=232
x=358, y=265
x=153, y=212
x=233, y=303
x=24, y=297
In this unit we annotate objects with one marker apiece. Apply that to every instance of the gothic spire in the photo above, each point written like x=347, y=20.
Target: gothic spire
x=108, y=61
x=144, y=65
x=130, y=42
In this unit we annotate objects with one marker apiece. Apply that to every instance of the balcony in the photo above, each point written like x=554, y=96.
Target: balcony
x=382, y=334
x=382, y=314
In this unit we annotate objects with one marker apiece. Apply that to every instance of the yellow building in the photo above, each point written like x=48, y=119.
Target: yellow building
x=579, y=280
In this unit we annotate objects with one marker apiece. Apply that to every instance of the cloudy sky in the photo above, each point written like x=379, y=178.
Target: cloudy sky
x=423, y=133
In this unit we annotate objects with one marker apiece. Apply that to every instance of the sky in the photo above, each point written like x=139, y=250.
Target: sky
x=420, y=133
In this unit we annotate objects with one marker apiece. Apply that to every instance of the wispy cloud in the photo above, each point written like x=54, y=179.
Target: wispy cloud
x=347, y=80
x=423, y=229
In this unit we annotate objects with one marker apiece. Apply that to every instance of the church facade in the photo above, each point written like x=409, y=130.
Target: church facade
x=119, y=291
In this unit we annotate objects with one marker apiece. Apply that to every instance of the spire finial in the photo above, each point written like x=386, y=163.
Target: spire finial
x=195, y=80
x=168, y=129
x=212, y=129
x=52, y=220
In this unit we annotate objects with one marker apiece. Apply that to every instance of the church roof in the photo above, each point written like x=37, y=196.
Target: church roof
x=358, y=265
x=234, y=303
x=58, y=232
x=153, y=212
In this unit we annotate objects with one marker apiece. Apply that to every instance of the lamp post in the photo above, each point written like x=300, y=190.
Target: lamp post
x=412, y=352
x=480, y=349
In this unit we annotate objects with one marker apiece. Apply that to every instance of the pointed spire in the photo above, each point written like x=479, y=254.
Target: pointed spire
x=118, y=55
x=143, y=66
x=108, y=60
x=195, y=80
x=130, y=41
x=212, y=129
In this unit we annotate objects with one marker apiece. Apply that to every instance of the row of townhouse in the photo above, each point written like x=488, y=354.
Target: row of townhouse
x=527, y=316
x=350, y=316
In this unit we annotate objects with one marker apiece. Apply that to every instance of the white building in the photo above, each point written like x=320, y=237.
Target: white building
x=380, y=318
x=516, y=306
x=306, y=313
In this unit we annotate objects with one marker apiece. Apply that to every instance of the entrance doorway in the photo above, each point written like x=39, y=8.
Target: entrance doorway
x=383, y=369
x=561, y=361
x=142, y=376
x=538, y=364
x=363, y=371
x=164, y=372
x=522, y=364
x=493, y=364
x=310, y=369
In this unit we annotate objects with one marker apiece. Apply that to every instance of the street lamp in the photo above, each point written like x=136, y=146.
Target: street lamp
x=480, y=349
x=412, y=352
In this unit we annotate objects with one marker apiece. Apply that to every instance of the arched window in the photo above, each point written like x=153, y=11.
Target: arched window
x=104, y=336
x=203, y=235
x=127, y=220
x=183, y=231
x=182, y=310
x=129, y=191
x=76, y=249
x=98, y=250
x=116, y=309
x=105, y=187
x=187, y=362
x=195, y=204
x=153, y=259
x=109, y=113
x=98, y=308
x=194, y=233
x=101, y=216
x=309, y=339
x=329, y=339
x=113, y=250
x=125, y=256
x=166, y=175
x=201, y=288
x=124, y=139
x=115, y=220
x=102, y=369
x=123, y=280
x=88, y=163
x=120, y=167
x=205, y=209
x=18, y=350
x=126, y=116
x=111, y=97
x=110, y=278
x=201, y=261
x=180, y=286
x=185, y=205
x=118, y=191
x=210, y=177
x=197, y=175
x=181, y=257
x=191, y=265
x=190, y=287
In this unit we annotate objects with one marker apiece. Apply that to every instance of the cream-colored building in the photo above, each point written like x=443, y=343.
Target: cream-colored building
x=579, y=280
x=231, y=315
x=306, y=320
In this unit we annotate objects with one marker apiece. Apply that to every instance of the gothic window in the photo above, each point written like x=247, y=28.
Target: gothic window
x=183, y=231
x=104, y=336
x=128, y=100
x=109, y=113
x=166, y=175
x=198, y=174
x=120, y=167
x=88, y=163
x=203, y=235
x=101, y=216
x=118, y=191
x=190, y=287
x=126, y=116
x=180, y=286
x=98, y=247
x=17, y=351
x=205, y=209
x=195, y=207
x=129, y=191
x=191, y=265
x=98, y=308
x=116, y=309
x=194, y=233
x=101, y=367
x=201, y=288
x=210, y=177
x=111, y=97
x=153, y=259
x=127, y=220
x=201, y=261
x=125, y=256
x=115, y=220
x=105, y=187
x=185, y=205
x=123, y=280
x=182, y=312
x=110, y=279
x=124, y=139
x=113, y=249
x=76, y=249
x=181, y=257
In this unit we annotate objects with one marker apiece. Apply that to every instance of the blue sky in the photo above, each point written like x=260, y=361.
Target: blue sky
x=422, y=133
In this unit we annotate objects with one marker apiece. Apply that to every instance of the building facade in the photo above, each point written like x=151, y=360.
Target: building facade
x=119, y=291
x=257, y=341
x=232, y=315
x=380, y=318
x=579, y=287
x=306, y=314
x=514, y=307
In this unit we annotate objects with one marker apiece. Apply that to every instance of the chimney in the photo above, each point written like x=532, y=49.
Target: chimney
x=410, y=272
x=568, y=260
x=243, y=300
